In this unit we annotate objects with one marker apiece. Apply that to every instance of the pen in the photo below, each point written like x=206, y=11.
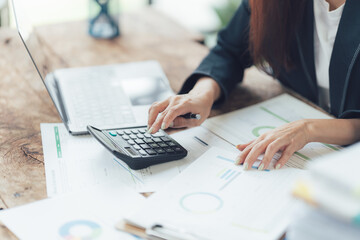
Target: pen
x=191, y=116
x=168, y=232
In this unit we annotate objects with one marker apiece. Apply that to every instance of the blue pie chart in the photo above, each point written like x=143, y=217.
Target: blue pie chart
x=80, y=230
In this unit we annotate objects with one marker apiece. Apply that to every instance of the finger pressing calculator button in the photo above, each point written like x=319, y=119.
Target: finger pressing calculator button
x=125, y=137
x=142, y=152
x=131, y=142
x=150, y=152
x=165, y=139
x=128, y=132
x=132, y=136
x=113, y=134
x=159, y=134
x=139, y=141
x=144, y=146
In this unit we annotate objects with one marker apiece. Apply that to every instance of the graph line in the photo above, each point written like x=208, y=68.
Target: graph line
x=225, y=159
x=229, y=176
x=128, y=170
x=228, y=182
x=58, y=143
x=226, y=173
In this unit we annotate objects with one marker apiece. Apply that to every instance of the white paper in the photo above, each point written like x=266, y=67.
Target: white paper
x=214, y=199
x=87, y=214
x=333, y=184
x=341, y=169
x=75, y=162
x=313, y=224
x=244, y=125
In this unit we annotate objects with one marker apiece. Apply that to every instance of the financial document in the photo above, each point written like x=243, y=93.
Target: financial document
x=214, y=199
x=75, y=162
x=244, y=125
x=87, y=214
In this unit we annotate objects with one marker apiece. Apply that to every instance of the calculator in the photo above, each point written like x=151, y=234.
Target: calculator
x=137, y=148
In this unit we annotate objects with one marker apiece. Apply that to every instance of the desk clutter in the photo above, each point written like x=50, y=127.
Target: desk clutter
x=331, y=199
x=202, y=196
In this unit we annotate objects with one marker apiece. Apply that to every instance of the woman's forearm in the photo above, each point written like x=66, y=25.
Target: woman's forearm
x=333, y=131
x=207, y=86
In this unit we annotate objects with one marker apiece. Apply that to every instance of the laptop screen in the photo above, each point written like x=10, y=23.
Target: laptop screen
x=30, y=39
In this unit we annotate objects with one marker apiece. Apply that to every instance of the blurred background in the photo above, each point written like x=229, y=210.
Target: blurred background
x=206, y=17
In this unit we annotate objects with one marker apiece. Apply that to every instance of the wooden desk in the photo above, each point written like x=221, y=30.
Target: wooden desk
x=24, y=102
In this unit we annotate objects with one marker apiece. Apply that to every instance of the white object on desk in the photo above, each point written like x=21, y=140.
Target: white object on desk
x=4, y=13
x=86, y=214
x=332, y=189
x=75, y=162
x=214, y=199
x=314, y=224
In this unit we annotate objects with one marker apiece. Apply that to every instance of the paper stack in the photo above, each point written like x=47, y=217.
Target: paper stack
x=332, y=197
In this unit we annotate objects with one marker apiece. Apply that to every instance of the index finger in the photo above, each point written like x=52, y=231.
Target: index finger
x=155, y=109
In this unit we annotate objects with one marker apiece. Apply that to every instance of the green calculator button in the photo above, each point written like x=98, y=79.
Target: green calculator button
x=113, y=134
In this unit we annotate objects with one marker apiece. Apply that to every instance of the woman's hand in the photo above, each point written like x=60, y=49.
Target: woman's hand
x=198, y=101
x=288, y=139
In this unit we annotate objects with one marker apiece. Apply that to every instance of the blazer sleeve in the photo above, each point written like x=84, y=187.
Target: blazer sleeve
x=227, y=61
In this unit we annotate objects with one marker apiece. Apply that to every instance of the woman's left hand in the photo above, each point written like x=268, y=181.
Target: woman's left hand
x=288, y=139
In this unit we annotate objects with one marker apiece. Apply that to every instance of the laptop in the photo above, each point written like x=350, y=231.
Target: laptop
x=109, y=96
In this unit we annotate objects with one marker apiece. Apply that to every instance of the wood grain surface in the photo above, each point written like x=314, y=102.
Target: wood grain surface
x=24, y=102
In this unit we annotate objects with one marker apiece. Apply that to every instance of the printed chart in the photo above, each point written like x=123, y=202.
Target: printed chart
x=80, y=230
x=214, y=199
x=201, y=202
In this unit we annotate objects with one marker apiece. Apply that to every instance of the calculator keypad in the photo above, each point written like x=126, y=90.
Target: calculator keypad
x=146, y=144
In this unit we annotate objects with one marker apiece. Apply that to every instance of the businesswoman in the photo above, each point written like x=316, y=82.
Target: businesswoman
x=312, y=47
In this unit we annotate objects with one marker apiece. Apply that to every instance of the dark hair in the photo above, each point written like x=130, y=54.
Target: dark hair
x=273, y=26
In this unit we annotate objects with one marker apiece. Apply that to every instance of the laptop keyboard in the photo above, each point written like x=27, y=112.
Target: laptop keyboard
x=98, y=101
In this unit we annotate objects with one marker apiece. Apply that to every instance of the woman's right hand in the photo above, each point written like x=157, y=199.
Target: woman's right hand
x=166, y=113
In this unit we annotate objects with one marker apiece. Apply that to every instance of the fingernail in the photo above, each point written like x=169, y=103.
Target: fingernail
x=237, y=160
x=246, y=165
x=163, y=126
x=261, y=167
x=150, y=130
x=278, y=166
x=171, y=125
x=238, y=146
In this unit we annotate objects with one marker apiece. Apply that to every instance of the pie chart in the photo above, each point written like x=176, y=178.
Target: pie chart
x=80, y=230
x=201, y=203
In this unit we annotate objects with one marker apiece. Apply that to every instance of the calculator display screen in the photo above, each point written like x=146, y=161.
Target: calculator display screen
x=102, y=136
x=130, y=151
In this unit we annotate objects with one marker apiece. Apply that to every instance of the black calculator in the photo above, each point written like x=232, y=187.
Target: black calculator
x=137, y=148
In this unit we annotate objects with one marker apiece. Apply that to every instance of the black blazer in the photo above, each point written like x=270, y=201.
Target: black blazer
x=227, y=60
